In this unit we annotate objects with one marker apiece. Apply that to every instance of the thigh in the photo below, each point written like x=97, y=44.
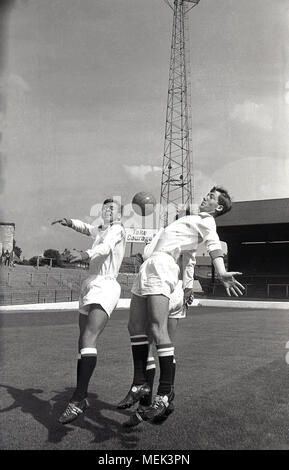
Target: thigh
x=82, y=320
x=158, y=309
x=138, y=316
x=96, y=319
x=172, y=327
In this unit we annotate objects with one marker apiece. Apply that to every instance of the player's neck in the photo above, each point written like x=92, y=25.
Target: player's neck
x=213, y=214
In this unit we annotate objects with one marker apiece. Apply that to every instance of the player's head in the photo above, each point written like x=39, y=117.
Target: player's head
x=217, y=202
x=111, y=210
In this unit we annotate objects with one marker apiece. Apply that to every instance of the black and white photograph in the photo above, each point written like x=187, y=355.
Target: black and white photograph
x=144, y=228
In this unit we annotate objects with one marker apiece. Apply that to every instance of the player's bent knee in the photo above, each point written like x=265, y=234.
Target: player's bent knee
x=158, y=332
x=89, y=338
x=136, y=329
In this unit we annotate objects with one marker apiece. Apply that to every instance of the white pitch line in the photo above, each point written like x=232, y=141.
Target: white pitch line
x=123, y=304
x=252, y=304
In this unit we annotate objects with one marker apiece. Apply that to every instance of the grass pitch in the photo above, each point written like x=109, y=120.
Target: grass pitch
x=232, y=383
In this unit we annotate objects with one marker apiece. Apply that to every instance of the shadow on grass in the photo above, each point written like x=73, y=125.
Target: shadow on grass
x=47, y=413
x=102, y=427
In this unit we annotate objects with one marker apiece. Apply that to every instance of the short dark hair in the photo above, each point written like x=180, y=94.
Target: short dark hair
x=224, y=200
x=115, y=201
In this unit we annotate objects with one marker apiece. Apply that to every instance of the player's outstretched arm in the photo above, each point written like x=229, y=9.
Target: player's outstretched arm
x=65, y=222
x=231, y=284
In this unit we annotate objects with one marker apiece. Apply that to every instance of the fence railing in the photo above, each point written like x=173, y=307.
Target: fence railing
x=270, y=290
x=52, y=296
x=11, y=279
x=61, y=293
x=284, y=288
x=37, y=296
x=64, y=289
x=47, y=279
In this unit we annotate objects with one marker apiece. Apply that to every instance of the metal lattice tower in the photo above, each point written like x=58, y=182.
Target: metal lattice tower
x=176, y=185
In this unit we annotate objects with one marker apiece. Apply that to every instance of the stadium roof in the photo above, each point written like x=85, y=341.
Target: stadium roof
x=261, y=212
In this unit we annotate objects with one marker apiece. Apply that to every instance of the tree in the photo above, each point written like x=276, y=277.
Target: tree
x=54, y=254
x=33, y=261
x=16, y=249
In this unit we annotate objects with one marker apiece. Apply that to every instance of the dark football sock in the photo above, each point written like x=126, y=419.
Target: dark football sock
x=166, y=356
x=140, y=348
x=85, y=368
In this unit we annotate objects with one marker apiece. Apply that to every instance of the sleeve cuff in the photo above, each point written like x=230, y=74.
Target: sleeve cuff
x=216, y=254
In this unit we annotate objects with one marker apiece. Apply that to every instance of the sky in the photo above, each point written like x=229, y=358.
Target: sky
x=84, y=84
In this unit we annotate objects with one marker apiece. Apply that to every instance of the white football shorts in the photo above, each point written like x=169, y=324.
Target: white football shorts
x=176, y=305
x=99, y=290
x=158, y=275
